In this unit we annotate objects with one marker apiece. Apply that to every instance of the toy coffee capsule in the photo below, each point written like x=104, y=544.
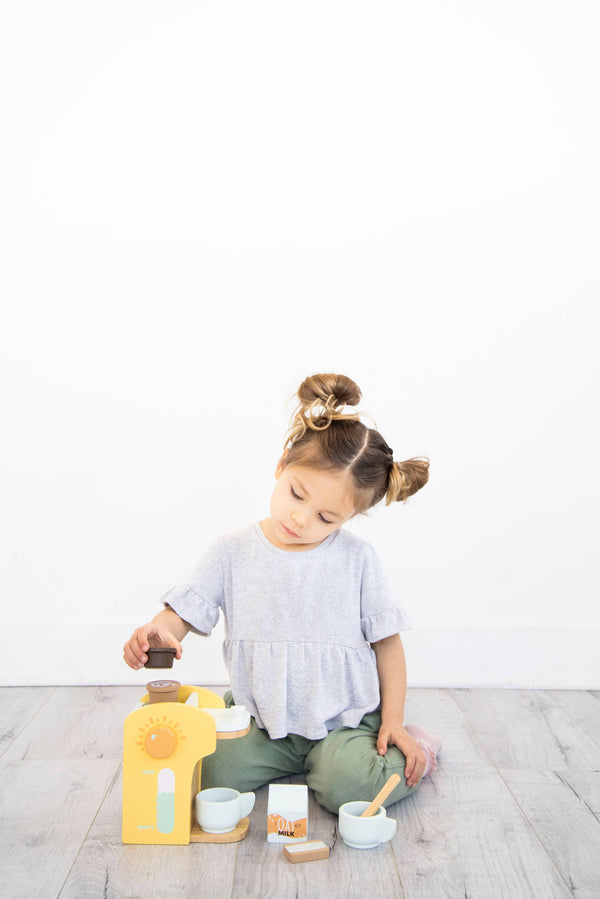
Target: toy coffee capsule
x=163, y=690
x=162, y=657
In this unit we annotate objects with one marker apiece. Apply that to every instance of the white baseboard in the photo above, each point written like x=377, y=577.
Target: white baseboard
x=541, y=658
x=544, y=658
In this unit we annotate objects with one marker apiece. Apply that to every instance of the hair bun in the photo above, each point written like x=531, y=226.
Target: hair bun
x=322, y=398
x=405, y=478
x=329, y=390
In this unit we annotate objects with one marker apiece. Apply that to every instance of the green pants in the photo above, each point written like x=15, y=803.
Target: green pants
x=342, y=767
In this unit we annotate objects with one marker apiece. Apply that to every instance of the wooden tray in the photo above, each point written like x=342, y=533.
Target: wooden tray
x=198, y=835
x=232, y=734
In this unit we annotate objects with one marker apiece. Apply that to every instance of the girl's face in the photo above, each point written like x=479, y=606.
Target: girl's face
x=307, y=505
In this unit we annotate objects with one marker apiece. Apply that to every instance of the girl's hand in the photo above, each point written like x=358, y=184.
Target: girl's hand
x=134, y=651
x=393, y=733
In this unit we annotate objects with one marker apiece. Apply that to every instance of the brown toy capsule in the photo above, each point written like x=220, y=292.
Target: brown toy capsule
x=160, y=657
x=163, y=690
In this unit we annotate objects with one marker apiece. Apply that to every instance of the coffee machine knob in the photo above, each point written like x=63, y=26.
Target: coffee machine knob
x=160, y=742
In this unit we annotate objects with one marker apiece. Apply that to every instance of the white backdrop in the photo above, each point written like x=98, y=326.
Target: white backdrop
x=203, y=203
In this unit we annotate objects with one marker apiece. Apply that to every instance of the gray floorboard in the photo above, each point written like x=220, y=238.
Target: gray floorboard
x=513, y=810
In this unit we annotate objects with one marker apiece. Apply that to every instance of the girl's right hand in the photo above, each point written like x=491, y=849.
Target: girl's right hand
x=134, y=651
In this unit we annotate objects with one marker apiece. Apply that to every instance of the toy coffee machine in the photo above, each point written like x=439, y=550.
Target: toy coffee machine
x=165, y=739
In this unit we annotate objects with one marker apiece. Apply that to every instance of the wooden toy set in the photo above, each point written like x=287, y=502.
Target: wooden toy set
x=165, y=739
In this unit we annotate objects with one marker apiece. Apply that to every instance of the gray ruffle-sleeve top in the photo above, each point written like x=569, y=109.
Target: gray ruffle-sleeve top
x=298, y=627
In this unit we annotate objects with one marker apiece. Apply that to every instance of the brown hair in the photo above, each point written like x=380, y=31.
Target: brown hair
x=324, y=435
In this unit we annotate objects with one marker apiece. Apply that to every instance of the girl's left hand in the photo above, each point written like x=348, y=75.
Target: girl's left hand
x=393, y=734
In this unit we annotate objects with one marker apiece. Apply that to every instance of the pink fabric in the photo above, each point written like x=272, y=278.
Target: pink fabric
x=429, y=743
x=431, y=766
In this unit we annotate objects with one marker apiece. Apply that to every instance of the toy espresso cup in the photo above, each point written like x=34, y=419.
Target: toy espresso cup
x=218, y=810
x=364, y=833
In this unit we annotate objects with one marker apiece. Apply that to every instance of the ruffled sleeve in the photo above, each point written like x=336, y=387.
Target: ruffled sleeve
x=199, y=600
x=199, y=613
x=380, y=616
x=389, y=622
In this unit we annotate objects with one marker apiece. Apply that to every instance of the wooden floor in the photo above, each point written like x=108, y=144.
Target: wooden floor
x=513, y=811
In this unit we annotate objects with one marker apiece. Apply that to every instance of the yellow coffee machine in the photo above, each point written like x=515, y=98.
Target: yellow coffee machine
x=165, y=739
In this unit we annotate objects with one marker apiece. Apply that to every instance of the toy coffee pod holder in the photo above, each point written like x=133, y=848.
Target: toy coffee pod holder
x=165, y=739
x=364, y=825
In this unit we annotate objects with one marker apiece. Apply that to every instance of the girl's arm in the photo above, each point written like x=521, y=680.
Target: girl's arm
x=165, y=629
x=391, y=667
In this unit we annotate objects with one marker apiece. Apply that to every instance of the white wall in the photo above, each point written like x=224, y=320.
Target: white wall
x=201, y=203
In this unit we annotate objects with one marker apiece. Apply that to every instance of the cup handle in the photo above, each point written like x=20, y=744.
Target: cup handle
x=387, y=829
x=247, y=803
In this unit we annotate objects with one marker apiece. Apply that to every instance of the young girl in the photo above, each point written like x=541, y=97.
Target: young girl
x=312, y=641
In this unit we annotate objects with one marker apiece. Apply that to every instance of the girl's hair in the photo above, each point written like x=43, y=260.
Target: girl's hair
x=322, y=435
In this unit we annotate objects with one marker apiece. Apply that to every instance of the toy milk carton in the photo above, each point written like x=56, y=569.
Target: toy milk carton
x=288, y=813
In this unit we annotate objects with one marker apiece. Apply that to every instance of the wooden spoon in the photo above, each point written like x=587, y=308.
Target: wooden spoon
x=381, y=796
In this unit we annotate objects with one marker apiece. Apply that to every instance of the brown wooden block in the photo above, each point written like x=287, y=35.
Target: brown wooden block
x=311, y=851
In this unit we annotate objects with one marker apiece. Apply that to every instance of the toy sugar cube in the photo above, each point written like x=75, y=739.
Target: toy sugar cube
x=288, y=813
x=311, y=851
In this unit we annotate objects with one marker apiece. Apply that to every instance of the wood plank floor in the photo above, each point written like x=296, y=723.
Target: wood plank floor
x=513, y=810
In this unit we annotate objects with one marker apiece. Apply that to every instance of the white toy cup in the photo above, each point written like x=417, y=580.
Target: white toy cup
x=219, y=809
x=364, y=833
